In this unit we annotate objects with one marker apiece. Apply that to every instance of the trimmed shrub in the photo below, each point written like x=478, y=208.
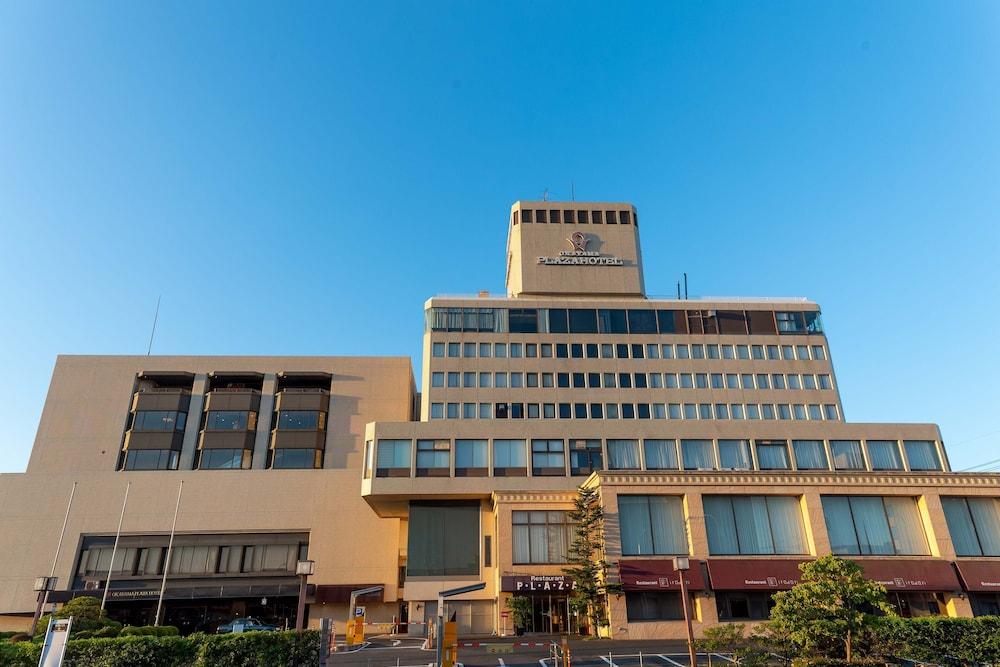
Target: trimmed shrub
x=835, y=662
x=21, y=654
x=260, y=649
x=149, y=631
x=19, y=637
x=943, y=640
x=131, y=652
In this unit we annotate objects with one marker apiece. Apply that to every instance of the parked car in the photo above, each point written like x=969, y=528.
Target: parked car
x=248, y=624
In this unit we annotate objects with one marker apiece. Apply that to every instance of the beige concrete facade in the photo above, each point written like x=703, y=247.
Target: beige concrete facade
x=574, y=359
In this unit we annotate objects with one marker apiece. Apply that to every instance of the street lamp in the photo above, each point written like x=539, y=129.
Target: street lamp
x=682, y=564
x=42, y=586
x=303, y=569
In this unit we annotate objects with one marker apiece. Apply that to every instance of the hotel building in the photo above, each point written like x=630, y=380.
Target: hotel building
x=711, y=427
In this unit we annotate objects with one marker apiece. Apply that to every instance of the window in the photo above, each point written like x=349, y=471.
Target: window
x=437, y=349
x=697, y=455
x=790, y=323
x=653, y=606
x=151, y=459
x=547, y=457
x=468, y=380
x=433, y=457
x=159, y=420
x=509, y=458
x=743, y=606
x=541, y=537
x=523, y=320
x=623, y=454
x=224, y=459
x=642, y=321
x=884, y=455
x=847, y=455
x=192, y=560
x=866, y=525
x=393, y=458
x=437, y=379
x=437, y=410
x=230, y=420
x=652, y=525
x=453, y=379
x=974, y=524
x=922, y=455
x=443, y=538
x=660, y=454
x=301, y=420
x=809, y=455
x=297, y=458
x=585, y=455
x=754, y=525
x=452, y=410
x=772, y=455
x=612, y=321
x=469, y=350
x=470, y=457
x=453, y=349
x=735, y=455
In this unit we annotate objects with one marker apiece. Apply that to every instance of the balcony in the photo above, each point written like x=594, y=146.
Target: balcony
x=173, y=440
x=240, y=399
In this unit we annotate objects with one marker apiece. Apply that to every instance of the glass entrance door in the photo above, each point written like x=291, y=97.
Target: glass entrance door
x=549, y=614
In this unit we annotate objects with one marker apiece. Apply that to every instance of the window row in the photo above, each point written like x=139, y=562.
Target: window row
x=470, y=350
x=572, y=216
x=223, y=459
x=227, y=420
x=192, y=560
x=582, y=456
x=738, y=411
x=601, y=380
x=621, y=321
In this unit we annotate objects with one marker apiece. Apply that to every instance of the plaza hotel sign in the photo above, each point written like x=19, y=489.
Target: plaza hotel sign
x=579, y=255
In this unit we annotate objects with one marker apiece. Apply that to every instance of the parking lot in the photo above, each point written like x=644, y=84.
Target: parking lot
x=524, y=652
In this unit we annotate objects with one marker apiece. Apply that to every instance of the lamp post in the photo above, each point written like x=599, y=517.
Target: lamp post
x=682, y=564
x=42, y=586
x=303, y=569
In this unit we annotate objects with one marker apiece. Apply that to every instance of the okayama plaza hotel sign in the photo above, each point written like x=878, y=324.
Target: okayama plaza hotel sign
x=579, y=255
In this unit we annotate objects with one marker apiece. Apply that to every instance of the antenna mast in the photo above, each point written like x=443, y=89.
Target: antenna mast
x=152, y=332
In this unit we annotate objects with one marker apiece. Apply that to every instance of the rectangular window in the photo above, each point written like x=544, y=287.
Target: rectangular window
x=393, y=458
x=509, y=458
x=772, y=455
x=660, y=454
x=437, y=379
x=922, y=455
x=623, y=454
x=697, y=455
x=470, y=458
x=809, y=455
x=754, y=525
x=557, y=321
x=541, y=536
x=652, y=525
x=612, y=321
x=884, y=455
x=653, y=606
x=230, y=420
x=735, y=455
x=437, y=349
x=744, y=606
x=227, y=459
x=642, y=321
x=443, y=538
x=847, y=455
x=523, y=320
x=151, y=459
x=548, y=458
x=433, y=457
x=159, y=420
x=867, y=525
x=585, y=455
x=974, y=524
x=437, y=410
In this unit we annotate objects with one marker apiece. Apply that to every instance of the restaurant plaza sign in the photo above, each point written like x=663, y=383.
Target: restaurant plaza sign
x=537, y=583
x=579, y=255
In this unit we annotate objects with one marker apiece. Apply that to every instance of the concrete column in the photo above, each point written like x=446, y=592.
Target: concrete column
x=263, y=439
x=193, y=426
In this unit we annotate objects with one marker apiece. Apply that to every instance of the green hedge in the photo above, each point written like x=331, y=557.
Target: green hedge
x=247, y=649
x=944, y=640
x=149, y=631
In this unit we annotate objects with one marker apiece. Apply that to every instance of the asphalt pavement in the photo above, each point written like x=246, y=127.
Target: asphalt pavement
x=527, y=651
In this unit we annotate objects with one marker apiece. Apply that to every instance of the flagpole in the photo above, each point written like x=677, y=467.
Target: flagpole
x=170, y=549
x=114, y=550
x=55, y=559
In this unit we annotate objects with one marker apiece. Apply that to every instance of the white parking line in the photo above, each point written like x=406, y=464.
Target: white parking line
x=502, y=663
x=672, y=662
x=608, y=660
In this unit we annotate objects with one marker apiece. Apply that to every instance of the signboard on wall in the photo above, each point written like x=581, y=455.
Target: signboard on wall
x=537, y=583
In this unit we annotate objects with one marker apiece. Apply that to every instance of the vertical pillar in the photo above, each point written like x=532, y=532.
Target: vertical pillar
x=193, y=426
x=263, y=439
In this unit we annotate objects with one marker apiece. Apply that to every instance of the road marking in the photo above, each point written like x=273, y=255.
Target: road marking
x=672, y=662
x=541, y=661
x=397, y=642
x=608, y=660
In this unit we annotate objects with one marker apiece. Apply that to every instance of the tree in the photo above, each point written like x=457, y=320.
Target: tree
x=833, y=607
x=748, y=650
x=87, y=616
x=588, y=568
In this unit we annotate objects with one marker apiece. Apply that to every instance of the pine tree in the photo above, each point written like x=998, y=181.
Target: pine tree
x=586, y=558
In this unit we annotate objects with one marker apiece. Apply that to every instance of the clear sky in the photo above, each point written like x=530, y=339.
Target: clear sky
x=298, y=179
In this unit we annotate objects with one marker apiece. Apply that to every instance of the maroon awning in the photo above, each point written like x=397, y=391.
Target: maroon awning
x=912, y=575
x=342, y=592
x=978, y=576
x=658, y=575
x=739, y=574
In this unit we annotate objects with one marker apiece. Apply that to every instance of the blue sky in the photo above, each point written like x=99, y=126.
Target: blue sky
x=336, y=164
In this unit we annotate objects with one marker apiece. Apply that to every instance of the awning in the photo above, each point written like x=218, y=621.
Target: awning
x=912, y=575
x=747, y=574
x=342, y=592
x=979, y=576
x=658, y=575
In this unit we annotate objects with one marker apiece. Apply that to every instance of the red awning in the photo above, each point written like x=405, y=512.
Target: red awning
x=740, y=574
x=979, y=576
x=912, y=575
x=342, y=592
x=658, y=575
